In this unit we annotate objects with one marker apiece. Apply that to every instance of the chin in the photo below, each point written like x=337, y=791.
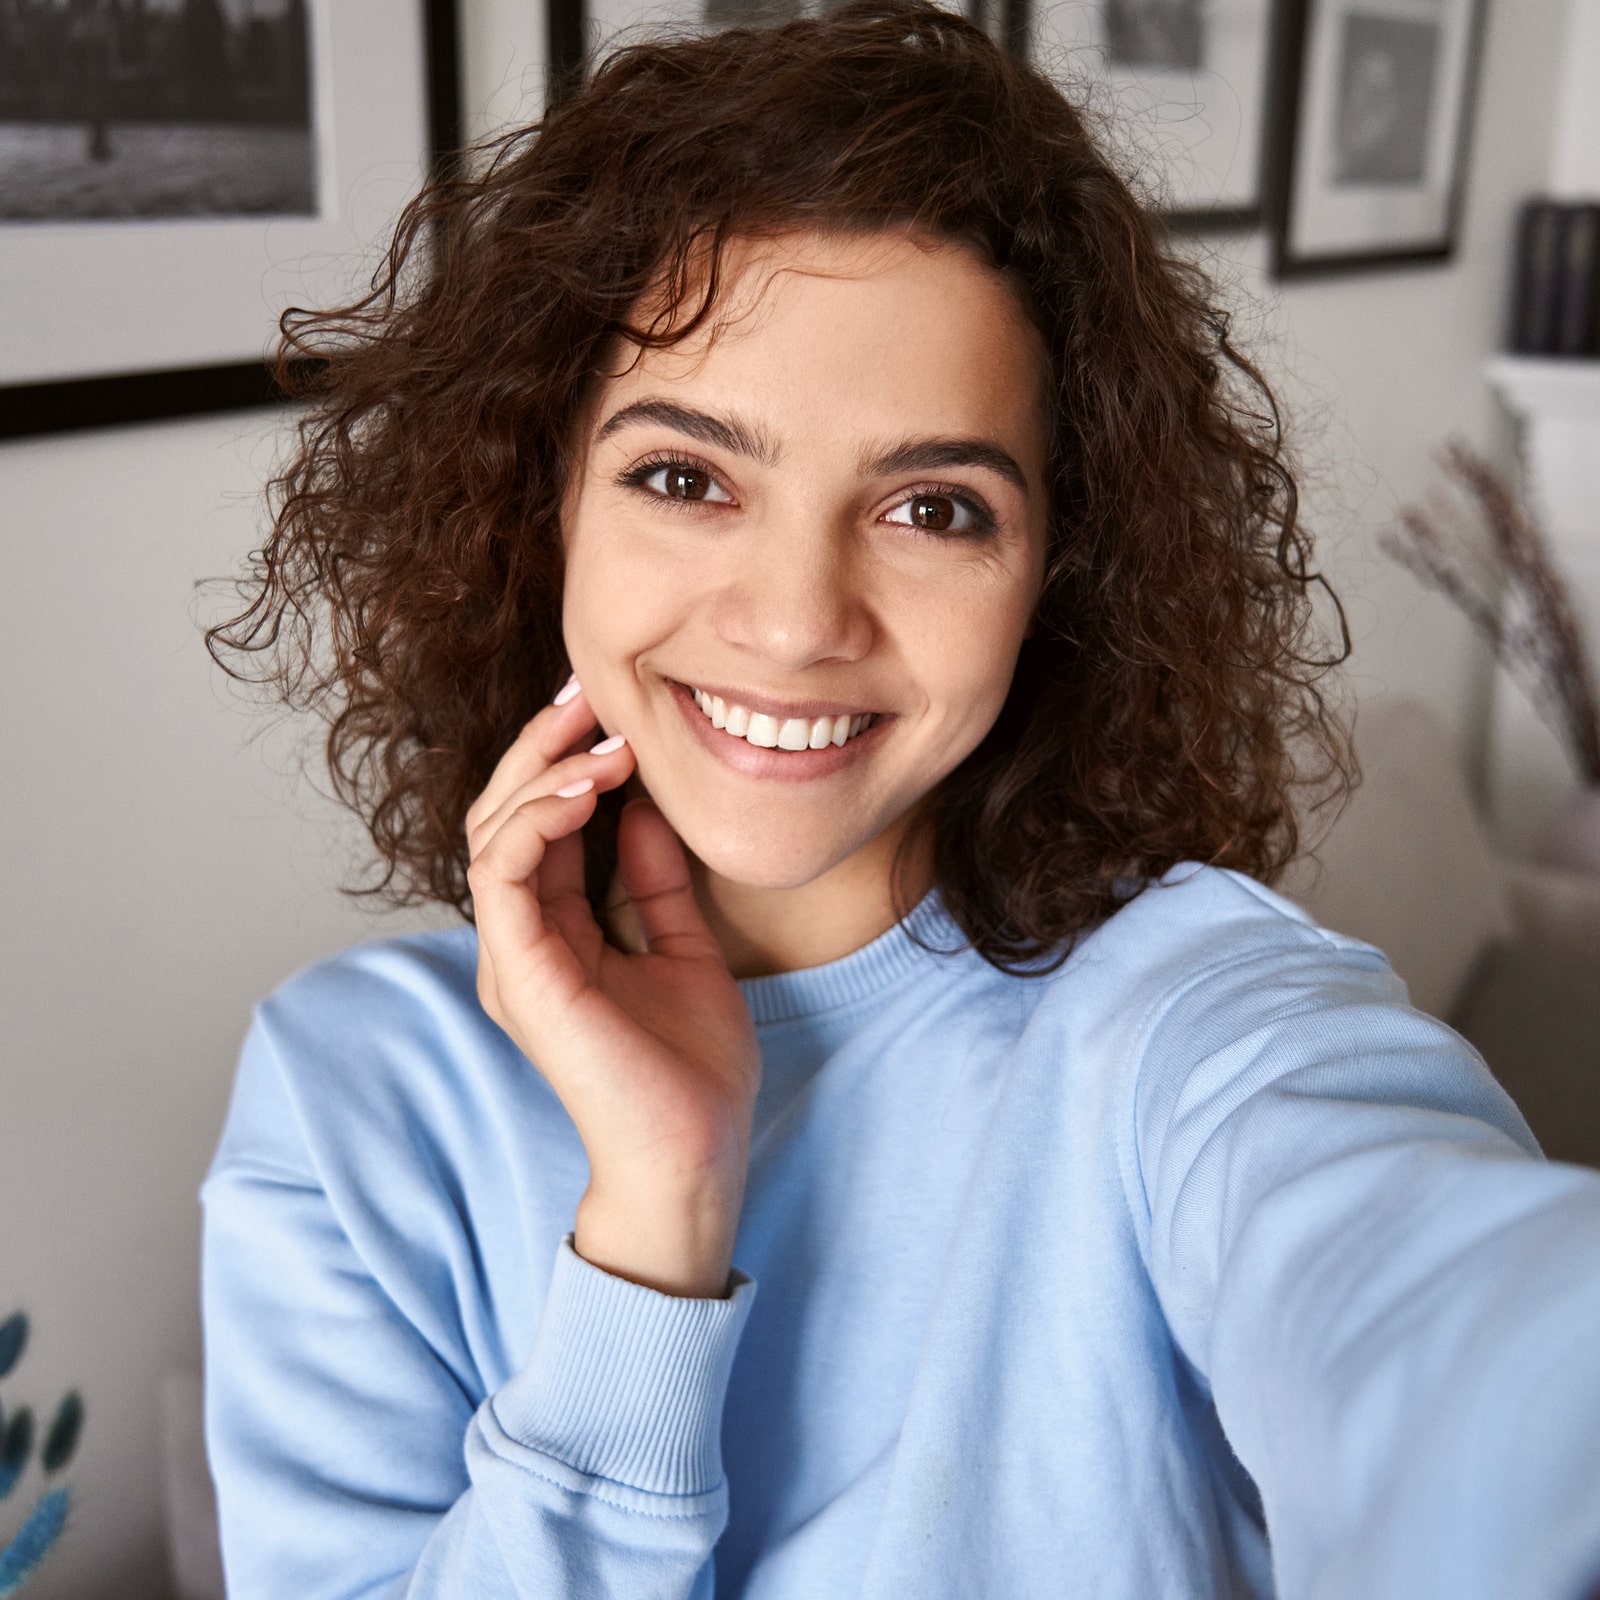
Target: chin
x=759, y=864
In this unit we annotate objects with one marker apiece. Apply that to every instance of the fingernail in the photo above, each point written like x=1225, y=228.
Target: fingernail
x=573, y=790
x=606, y=746
x=567, y=690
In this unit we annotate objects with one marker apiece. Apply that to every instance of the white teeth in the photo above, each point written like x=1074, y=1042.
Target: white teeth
x=792, y=733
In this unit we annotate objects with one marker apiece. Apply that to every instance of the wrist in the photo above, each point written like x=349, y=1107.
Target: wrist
x=679, y=1245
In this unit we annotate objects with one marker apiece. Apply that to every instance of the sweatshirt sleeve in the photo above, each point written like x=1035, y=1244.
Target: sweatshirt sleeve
x=353, y=1458
x=1394, y=1297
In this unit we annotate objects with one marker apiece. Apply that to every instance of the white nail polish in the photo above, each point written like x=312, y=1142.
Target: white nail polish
x=606, y=746
x=567, y=690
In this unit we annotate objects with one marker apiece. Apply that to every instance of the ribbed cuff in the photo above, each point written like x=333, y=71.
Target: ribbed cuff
x=625, y=1382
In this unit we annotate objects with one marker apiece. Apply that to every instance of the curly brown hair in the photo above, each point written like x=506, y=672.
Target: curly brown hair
x=1166, y=707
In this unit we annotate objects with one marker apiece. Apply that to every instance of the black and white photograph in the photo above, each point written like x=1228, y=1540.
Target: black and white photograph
x=588, y=28
x=1388, y=71
x=155, y=108
x=1186, y=82
x=1169, y=34
x=175, y=173
x=1378, y=132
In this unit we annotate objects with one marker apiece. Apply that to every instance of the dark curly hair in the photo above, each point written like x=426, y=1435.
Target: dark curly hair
x=1166, y=707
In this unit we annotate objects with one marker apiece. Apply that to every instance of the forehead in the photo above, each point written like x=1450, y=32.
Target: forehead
x=846, y=326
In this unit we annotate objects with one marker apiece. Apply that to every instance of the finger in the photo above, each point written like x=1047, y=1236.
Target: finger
x=608, y=768
x=561, y=874
x=564, y=900
x=488, y=984
x=544, y=739
x=506, y=902
x=655, y=874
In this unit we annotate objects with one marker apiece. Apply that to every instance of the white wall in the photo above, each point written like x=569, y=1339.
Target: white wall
x=160, y=876
x=1575, y=160
x=1380, y=369
x=161, y=873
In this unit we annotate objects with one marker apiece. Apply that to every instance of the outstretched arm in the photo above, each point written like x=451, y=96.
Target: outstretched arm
x=1394, y=1298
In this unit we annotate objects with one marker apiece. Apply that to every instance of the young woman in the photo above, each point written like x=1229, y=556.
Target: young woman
x=788, y=554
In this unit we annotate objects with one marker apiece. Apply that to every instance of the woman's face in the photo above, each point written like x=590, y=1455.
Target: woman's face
x=829, y=503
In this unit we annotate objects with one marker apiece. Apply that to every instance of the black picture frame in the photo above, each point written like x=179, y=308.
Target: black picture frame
x=74, y=404
x=1429, y=234
x=1016, y=28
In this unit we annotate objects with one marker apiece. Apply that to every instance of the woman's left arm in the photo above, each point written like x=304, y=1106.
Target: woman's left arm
x=1394, y=1298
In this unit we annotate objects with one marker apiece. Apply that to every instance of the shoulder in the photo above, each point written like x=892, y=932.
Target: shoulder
x=385, y=1040
x=411, y=975
x=1227, y=913
x=385, y=1010
x=1200, y=934
x=1244, y=998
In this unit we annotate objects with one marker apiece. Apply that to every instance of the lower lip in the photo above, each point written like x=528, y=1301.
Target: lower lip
x=789, y=766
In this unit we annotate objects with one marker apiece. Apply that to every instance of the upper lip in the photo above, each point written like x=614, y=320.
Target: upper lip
x=765, y=705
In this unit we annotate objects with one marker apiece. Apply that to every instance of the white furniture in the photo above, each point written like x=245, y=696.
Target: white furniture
x=1508, y=954
x=1557, y=407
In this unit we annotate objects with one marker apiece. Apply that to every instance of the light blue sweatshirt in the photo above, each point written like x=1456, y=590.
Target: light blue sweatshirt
x=1082, y=1286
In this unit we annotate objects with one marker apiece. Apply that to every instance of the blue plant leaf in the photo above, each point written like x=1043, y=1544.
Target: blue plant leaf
x=62, y=1439
x=20, y=1559
x=17, y=1443
x=13, y=1336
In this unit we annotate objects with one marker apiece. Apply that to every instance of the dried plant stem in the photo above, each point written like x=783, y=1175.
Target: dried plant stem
x=1543, y=646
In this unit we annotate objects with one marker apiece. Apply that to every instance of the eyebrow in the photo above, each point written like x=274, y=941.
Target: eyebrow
x=925, y=455
x=913, y=455
x=729, y=435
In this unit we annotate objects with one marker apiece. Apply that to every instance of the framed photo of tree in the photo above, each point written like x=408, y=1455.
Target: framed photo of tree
x=582, y=30
x=175, y=173
x=1378, y=113
x=1188, y=83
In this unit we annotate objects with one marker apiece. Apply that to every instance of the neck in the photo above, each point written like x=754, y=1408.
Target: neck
x=763, y=931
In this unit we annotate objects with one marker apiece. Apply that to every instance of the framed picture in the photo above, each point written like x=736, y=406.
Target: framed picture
x=1378, y=110
x=1190, y=82
x=582, y=30
x=174, y=175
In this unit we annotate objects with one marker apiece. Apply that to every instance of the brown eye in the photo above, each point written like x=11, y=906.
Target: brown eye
x=941, y=512
x=682, y=481
x=932, y=511
x=686, y=483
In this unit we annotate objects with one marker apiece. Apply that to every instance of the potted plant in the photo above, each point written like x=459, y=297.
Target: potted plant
x=22, y=1552
x=1509, y=588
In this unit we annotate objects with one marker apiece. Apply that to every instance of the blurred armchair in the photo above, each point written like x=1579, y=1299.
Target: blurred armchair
x=1506, y=952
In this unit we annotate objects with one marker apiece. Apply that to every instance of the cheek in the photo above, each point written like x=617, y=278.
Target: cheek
x=615, y=605
x=966, y=652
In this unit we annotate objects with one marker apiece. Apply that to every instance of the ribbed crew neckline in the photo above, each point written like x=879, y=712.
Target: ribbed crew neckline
x=784, y=996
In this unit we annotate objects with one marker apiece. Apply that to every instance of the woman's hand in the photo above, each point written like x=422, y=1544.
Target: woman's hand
x=653, y=1055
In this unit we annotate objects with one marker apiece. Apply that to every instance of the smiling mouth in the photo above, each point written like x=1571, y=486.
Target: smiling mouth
x=773, y=733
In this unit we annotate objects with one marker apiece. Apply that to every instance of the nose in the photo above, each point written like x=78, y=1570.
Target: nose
x=794, y=595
